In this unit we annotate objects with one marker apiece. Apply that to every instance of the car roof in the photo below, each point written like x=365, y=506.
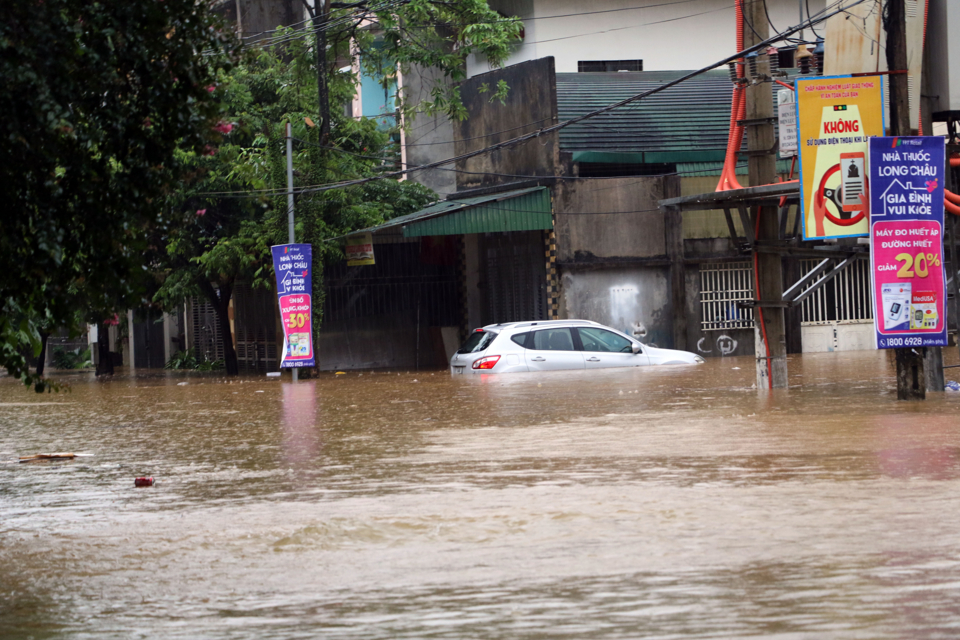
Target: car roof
x=540, y=323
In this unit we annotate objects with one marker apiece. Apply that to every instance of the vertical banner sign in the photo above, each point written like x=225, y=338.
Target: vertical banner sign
x=359, y=250
x=835, y=116
x=292, y=264
x=906, y=241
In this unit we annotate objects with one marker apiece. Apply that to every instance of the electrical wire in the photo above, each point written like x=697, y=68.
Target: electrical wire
x=514, y=18
x=265, y=193
x=557, y=127
x=815, y=34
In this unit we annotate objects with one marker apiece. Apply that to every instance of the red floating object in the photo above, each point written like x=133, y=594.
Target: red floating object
x=143, y=482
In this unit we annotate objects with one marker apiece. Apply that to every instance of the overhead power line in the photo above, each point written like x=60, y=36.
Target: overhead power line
x=562, y=125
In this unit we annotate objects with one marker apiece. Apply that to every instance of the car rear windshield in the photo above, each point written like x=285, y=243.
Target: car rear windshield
x=478, y=341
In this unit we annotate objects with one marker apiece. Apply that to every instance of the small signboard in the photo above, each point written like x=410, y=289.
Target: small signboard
x=835, y=117
x=292, y=264
x=906, y=241
x=359, y=250
x=787, y=123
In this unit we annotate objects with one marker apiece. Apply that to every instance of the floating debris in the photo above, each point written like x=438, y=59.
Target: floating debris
x=143, y=482
x=52, y=456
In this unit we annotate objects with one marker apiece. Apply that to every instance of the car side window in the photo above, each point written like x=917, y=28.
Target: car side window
x=553, y=340
x=602, y=340
x=521, y=339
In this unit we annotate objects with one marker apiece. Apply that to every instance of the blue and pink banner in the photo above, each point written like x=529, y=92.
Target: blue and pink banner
x=906, y=241
x=292, y=264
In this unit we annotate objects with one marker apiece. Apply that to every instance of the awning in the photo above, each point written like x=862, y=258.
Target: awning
x=520, y=210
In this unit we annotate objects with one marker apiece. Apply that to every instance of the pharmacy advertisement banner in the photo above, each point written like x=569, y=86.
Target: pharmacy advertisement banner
x=835, y=117
x=292, y=264
x=906, y=241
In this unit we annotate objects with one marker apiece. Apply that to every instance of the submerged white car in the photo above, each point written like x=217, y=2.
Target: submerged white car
x=550, y=345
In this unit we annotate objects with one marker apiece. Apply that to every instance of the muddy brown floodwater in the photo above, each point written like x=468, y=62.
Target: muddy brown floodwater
x=670, y=502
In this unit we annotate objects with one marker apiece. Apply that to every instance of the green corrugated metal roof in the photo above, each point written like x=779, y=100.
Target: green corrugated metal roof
x=519, y=210
x=689, y=122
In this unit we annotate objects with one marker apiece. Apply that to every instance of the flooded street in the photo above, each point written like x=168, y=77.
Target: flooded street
x=670, y=502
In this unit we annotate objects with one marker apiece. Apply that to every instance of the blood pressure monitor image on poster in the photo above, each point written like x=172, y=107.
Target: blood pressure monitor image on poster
x=836, y=116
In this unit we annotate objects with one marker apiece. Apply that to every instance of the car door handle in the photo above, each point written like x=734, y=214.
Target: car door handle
x=539, y=359
x=593, y=359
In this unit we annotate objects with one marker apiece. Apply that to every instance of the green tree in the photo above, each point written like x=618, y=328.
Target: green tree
x=391, y=37
x=96, y=97
x=232, y=209
x=224, y=229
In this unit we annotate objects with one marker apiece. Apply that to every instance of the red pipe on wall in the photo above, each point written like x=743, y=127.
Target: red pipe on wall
x=738, y=109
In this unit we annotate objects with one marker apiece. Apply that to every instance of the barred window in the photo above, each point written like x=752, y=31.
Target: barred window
x=722, y=285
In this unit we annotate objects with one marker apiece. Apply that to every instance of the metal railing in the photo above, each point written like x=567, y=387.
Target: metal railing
x=844, y=299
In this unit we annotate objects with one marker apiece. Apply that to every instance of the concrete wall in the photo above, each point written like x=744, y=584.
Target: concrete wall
x=590, y=230
x=257, y=16
x=530, y=105
x=612, y=253
x=942, y=59
x=573, y=30
x=631, y=299
x=428, y=138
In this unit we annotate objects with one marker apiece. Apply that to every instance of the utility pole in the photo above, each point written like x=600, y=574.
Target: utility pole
x=769, y=328
x=911, y=370
x=290, y=229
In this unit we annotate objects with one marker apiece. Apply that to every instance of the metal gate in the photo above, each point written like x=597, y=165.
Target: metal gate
x=206, y=330
x=148, y=347
x=514, y=277
x=410, y=284
x=255, y=326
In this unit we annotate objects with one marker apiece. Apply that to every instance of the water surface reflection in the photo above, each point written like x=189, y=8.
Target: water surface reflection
x=663, y=502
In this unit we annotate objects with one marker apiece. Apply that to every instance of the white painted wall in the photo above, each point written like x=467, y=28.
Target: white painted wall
x=944, y=54
x=682, y=35
x=836, y=336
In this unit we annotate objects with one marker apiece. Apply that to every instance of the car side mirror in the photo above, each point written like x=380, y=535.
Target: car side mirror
x=635, y=348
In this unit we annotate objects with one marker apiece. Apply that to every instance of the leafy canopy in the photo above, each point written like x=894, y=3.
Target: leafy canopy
x=96, y=97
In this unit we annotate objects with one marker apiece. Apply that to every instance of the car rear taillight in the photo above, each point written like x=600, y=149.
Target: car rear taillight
x=486, y=363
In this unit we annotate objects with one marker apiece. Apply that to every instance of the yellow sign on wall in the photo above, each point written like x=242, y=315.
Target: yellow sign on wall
x=359, y=250
x=836, y=116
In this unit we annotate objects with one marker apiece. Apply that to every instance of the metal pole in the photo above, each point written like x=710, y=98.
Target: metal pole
x=290, y=231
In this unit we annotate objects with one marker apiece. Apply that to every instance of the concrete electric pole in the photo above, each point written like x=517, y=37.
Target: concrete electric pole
x=769, y=323
x=917, y=369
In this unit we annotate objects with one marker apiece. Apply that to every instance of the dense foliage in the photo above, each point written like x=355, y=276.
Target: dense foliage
x=95, y=97
x=129, y=147
x=233, y=209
